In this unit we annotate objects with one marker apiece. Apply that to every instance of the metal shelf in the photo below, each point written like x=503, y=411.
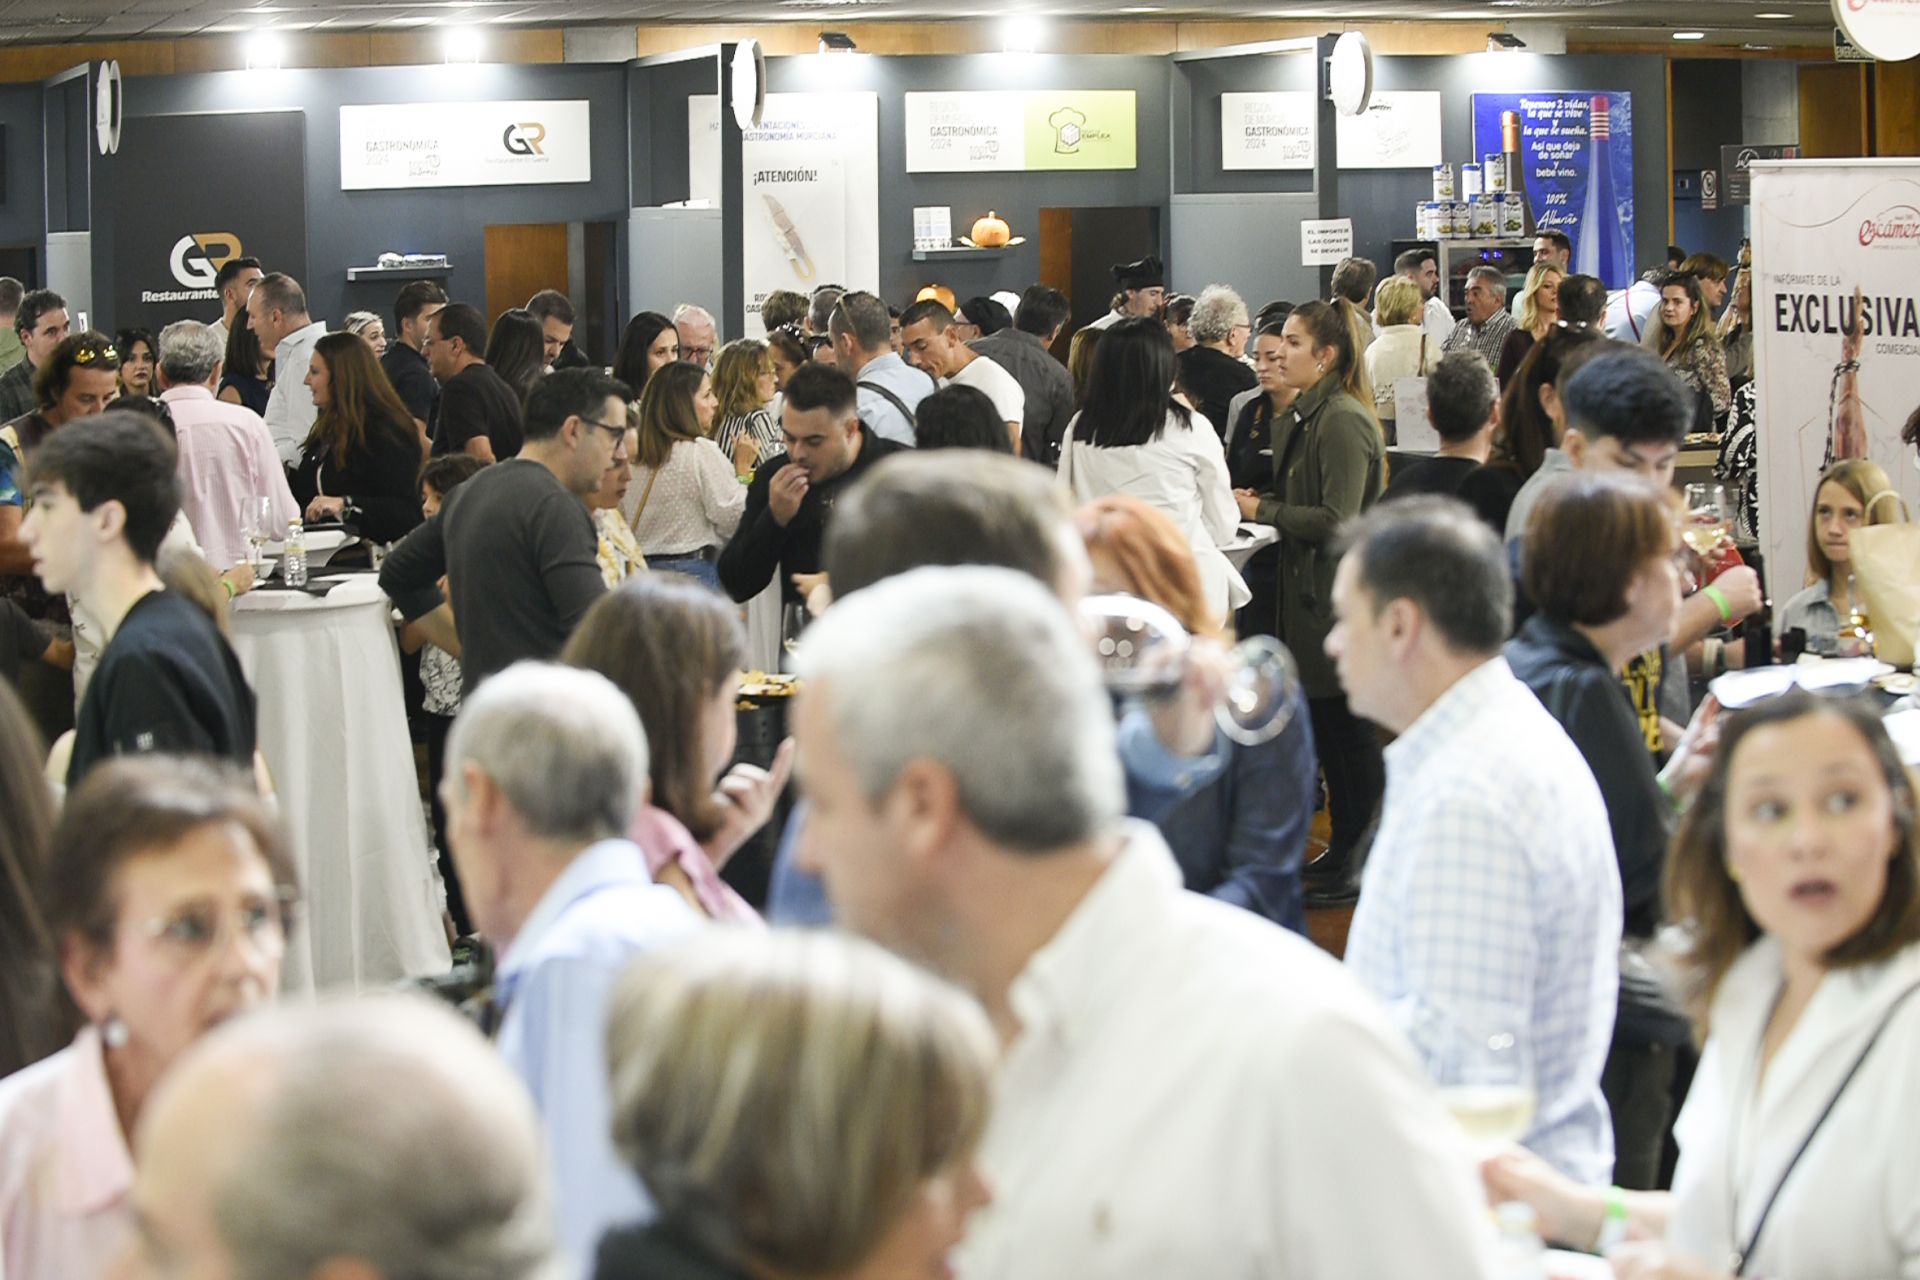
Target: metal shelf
x=959, y=251
x=397, y=273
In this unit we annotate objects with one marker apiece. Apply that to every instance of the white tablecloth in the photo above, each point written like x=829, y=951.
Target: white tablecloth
x=333, y=728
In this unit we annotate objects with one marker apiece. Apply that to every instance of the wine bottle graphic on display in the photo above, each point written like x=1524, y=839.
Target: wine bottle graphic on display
x=1600, y=244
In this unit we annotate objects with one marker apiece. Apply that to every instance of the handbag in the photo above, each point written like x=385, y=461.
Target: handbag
x=1886, y=573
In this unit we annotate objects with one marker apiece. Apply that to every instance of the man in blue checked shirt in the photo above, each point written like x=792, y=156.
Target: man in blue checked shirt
x=544, y=769
x=1490, y=913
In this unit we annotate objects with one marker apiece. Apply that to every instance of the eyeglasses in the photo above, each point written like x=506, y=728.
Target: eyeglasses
x=200, y=929
x=617, y=432
x=87, y=355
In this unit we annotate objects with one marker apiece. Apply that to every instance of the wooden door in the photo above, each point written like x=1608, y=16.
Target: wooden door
x=1833, y=110
x=522, y=259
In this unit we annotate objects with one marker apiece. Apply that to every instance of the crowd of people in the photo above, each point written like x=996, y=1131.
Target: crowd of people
x=1627, y=971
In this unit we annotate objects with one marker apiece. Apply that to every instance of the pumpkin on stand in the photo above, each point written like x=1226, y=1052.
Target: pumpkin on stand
x=991, y=232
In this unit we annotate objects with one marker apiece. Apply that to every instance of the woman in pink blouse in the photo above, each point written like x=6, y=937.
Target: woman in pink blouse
x=168, y=891
x=676, y=649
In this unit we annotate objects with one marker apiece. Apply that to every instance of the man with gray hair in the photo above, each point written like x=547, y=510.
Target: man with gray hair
x=1487, y=324
x=959, y=750
x=12, y=350
x=545, y=767
x=379, y=1139
x=888, y=389
x=698, y=334
x=1212, y=370
x=277, y=309
x=226, y=455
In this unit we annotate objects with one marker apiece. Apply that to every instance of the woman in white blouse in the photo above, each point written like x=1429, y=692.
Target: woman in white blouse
x=1400, y=348
x=686, y=498
x=1133, y=437
x=1797, y=877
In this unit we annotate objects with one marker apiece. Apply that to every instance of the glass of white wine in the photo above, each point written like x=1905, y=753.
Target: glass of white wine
x=1709, y=521
x=1143, y=653
x=1488, y=1084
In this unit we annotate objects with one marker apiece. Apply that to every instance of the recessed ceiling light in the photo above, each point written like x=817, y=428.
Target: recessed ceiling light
x=1774, y=17
x=1689, y=35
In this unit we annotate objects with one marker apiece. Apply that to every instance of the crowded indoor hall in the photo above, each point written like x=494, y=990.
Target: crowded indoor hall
x=651, y=642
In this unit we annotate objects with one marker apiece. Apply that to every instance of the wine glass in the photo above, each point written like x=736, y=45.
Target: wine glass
x=1487, y=1082
x=1709, y=521
x=257, y=527
x=1144, y=651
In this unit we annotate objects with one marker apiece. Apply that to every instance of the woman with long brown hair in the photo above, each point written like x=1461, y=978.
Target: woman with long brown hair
x=1683, y=335
x=676, y=651
x=360, y=462
x=686, y=498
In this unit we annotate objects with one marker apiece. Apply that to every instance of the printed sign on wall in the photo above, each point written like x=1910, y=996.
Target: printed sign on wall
x=1038, y=129
x=170, y=238
x=1832, y=240
x=465, y=144
x=1576, y=152
x=1325, y=242
x=1266, y=130
x=1399, y=131
x=811, y=170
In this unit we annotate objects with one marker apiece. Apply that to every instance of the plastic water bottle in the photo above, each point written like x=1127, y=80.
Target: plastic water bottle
x=295, y=568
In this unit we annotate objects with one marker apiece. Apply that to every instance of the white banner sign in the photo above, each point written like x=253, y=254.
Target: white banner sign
x=1887, y=29
x=965, y=132
x=1821, y=230
x=1266, y=130
x=1399, y=131
x=811, y=170
x=465, y=144
x=1325, y=242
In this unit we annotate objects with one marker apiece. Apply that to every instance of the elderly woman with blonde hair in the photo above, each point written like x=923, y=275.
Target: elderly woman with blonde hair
x=796, y=1104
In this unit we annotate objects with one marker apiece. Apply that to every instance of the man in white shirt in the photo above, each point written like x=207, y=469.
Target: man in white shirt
x=933, y=345
x=233, y=282
x=226, y=455
x=1143, y=291
x=889, y=390
x=1187, y=1089
x=277, y=306
x=1422, y=267
x=1490, y=912
x=544, y=769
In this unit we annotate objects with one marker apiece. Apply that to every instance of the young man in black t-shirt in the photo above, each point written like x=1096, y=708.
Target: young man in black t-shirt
x=104, y=493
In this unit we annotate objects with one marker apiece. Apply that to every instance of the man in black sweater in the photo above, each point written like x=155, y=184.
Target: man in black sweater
x=405, y=361
x=792, y=495
x=104, y=494
x=515, y=543
x=478, y=412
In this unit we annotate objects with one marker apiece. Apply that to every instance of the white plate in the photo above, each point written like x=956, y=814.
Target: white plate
x=1563, y=1265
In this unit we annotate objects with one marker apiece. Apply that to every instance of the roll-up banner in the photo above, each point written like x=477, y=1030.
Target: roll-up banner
x=811, y=171
x=1823, y=229
x=170, y=238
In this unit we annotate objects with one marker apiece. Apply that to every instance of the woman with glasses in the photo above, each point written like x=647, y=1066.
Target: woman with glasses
x=686, y=498
x=168, y=892
x=1795, y=874
x=619, y=552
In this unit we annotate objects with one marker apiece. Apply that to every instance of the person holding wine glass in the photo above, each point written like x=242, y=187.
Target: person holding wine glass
x=1851, y=495
x=1798, y=872
x=1597, y=561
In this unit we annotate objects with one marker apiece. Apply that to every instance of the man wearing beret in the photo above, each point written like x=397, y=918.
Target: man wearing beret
x=1143, y=290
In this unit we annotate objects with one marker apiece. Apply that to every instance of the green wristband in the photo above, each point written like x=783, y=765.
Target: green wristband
x=1719, y=599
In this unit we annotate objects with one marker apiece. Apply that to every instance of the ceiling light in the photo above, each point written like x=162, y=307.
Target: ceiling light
x=264, y=51
x=1774, y=17
x=1021, y=33
x=1504, y=42
x=837, y=42
x=463, y=45
x=1689, y=35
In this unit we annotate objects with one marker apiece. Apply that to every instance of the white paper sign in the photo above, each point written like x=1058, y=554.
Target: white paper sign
x=1821, y=229
x=1267, y=130
x=1325, y=241
x=965, y=132
x=812, y=179
x=465, y=144
x=1413, y=427
x=1887, y=29
x=1399, y=131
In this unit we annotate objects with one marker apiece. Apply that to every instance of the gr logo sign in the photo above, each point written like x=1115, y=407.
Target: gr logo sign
x=197, y=257
x=524, y=139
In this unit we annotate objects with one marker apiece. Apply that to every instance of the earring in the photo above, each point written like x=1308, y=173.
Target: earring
x=1733, y=873
x=1320, y=368
x=113, y=1032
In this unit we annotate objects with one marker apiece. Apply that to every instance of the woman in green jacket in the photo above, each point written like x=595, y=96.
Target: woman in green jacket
x=1329, y=465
